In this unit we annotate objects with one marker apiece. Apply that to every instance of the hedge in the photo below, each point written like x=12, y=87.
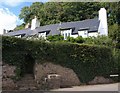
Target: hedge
x=87, y=61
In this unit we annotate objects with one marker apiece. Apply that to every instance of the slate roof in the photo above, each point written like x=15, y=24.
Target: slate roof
x=54, y=29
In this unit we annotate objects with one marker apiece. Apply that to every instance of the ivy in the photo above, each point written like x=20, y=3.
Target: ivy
x=87, y=61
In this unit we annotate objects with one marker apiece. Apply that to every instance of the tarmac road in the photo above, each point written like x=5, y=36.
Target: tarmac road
x=102, y=87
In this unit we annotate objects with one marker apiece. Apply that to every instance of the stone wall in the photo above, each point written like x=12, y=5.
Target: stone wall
x=47, y=76
x=67, y=77
x=7, y=73
x=100, y=80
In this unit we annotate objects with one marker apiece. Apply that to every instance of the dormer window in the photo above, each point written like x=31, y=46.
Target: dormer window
x=20, y=36
x=66, y=33
x=42, y=35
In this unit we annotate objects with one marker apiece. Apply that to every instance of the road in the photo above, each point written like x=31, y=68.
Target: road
x=102, y=87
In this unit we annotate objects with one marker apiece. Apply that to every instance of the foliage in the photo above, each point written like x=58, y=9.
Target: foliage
x=79, y=39
x=112, y=11
x=71, y=39
x=114, y=34
x=116, y=65
x=19, y=27
x=113, y=31
x=55, y=12
x=87, y=61
x=55, y=38
x=25, y=14
x=12, y=45
x=118, y=38
x=116, y=54
x=18, y=75
x=100, y=40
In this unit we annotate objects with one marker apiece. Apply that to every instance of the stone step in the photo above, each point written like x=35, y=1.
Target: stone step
x=28, y=78
x=27, y=83
x=28, y=88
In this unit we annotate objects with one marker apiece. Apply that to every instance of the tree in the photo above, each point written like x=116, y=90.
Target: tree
x=25, y=14
x=19, y=27
x=28, y=13
x=55, y=12
x=113, y=11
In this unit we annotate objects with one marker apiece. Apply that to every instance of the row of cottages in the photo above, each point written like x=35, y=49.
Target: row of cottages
x=85, y=28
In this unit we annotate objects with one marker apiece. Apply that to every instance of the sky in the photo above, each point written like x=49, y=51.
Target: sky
x=10, y=10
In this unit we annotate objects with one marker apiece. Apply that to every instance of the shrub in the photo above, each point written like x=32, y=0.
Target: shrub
x=79, y=39
x=100, y=40
x=116, y=56
x=87, y=61
x=70, y=39
x=55, y=38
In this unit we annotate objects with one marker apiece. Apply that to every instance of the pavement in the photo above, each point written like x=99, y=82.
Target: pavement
x=101, y=87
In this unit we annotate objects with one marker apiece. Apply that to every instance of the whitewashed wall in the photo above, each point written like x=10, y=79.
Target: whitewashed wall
x=74, y=36
x=95, y=34
x=83, y=33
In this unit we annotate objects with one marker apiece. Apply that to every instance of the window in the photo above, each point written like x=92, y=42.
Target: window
x=65, y=36
x=68, y=34
x=42, y=35
x=85, y=32
x=19, y=36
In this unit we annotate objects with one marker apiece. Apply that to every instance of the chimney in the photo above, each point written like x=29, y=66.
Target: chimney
x=27, y=25
x=103, y=26
x=35, y=23
x=5, y=31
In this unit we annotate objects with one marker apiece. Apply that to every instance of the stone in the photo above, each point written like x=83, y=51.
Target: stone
x=8, y=84
x=68, y=77
x=54, y=83
x=100, y=80
x=8, y=71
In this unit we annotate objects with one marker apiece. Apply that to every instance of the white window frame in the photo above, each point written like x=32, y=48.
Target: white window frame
x=66, y=33
x=18, y=36
x=42, y=35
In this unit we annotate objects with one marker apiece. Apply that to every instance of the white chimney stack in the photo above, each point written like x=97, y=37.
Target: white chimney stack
x=35, y=23
x=27, y=25
x=103, y=27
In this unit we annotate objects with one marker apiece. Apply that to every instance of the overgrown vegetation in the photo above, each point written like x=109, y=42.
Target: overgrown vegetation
x=55, y=38
x=100, y=40
x=86, y=60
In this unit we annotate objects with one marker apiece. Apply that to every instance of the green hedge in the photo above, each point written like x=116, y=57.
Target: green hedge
x=87, y=61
